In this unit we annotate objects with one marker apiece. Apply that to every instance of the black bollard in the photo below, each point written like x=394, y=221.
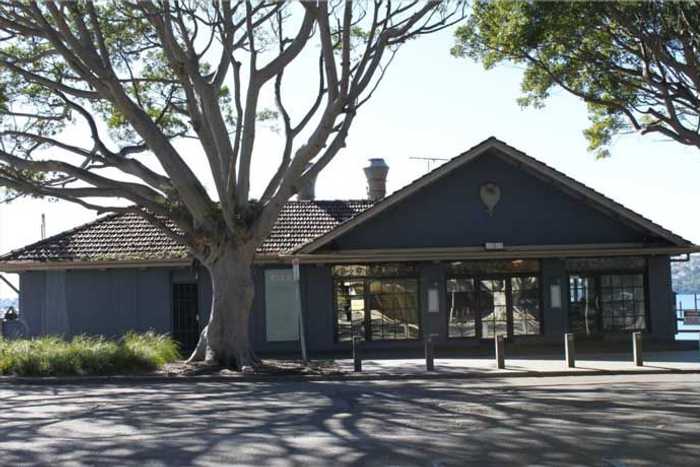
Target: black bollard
x=637, y=348
x=357, y=358
x=429, y=360
x=570, y=350
x=500, y=355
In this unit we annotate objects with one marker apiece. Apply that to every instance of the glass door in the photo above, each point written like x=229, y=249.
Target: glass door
x=584, y=305
x=493, y=307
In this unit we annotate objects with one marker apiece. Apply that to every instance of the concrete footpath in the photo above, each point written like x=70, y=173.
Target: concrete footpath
x=415, y=369
x=601, y=364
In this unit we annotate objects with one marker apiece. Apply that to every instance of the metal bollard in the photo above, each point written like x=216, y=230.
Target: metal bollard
x=429, y=357
x=357, y=358
x=500, y=355
x=637, y=348
x=570, y=350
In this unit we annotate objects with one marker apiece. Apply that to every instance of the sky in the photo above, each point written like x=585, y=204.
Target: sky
x=431, y=104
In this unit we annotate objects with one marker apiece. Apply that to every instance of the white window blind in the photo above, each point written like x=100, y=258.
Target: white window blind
x=281, y=306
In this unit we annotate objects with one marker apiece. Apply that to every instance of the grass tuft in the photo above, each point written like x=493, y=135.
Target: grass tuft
x=86, y=355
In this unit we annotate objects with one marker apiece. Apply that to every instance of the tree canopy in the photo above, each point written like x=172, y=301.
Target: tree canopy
x=636, y=64
x=139, y=76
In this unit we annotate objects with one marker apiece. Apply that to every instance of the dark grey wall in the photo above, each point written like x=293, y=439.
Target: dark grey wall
x=449, y=213
x=555, y=320
x=32, y=301
x=661, y=306
x=108, y=302
x=112, y=302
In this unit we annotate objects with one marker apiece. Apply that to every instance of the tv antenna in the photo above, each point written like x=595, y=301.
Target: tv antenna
x=429, y=160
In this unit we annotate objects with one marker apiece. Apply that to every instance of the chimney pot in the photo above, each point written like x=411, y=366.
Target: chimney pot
x=376, y=174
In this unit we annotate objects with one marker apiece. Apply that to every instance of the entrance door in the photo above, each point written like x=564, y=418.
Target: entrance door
x=584, y=305
x=186, y=317
x=493, y=306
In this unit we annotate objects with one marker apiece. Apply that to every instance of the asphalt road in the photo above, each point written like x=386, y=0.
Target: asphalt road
x=593, y=421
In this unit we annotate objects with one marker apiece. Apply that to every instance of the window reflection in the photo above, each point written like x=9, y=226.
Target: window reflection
x=486, y=307
x=376, y=308
x=461, y=306
x=493, y=306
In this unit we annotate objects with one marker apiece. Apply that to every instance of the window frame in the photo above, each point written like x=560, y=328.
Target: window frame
x=597, y=275
x=413, y=275
x=477, y=278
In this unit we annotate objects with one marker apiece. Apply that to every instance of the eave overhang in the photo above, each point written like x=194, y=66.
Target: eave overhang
x=380, y=256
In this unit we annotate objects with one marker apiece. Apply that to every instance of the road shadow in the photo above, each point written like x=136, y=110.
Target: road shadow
x=350, y=423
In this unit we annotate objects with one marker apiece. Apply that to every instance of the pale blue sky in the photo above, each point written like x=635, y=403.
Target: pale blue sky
x=432, y=104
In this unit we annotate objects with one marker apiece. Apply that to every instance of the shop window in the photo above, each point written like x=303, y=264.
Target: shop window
x=526, y=305
x=462, y=307
x=603, y=302
x=490, y=306
x=500, y=266
x=376, y=308
x=622, y=301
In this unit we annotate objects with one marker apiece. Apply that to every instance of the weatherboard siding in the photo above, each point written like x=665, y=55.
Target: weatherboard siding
x=450, y=213
x=662, y=315
x=112, y=302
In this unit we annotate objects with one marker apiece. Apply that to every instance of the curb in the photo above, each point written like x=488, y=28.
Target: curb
x=344, y=377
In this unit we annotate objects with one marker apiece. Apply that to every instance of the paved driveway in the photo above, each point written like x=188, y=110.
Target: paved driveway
x=594, y=421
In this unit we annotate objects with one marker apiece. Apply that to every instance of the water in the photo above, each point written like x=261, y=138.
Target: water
x=687, y=302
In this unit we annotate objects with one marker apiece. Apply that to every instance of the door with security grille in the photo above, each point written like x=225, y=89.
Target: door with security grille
x=186, y=317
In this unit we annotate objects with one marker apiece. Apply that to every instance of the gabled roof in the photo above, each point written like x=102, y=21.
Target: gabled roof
x=302, y=228
x=129, y=237
x=541, y=169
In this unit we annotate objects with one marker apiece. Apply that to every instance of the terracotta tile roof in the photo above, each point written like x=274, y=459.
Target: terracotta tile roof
x=129, y=237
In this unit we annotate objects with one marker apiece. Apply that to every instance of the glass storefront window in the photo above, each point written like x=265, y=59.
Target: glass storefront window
x=490, y=306
x=376, y=307
x=462, y=308
x=621, y=263
x=493, y=266
x=622, y=302
x=493, y=305
x=350, y=309
x=526, y=305
x=601, y=302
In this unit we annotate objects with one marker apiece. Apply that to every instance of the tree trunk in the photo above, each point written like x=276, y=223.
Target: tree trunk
x=225, y=340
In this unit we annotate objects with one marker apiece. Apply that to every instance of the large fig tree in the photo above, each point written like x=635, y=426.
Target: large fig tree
x=139, y=76
x=636, y=64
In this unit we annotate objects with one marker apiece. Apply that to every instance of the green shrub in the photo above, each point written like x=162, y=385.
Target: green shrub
x=86, y=355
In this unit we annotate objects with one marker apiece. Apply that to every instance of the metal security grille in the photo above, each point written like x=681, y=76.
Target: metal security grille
x=185, y=316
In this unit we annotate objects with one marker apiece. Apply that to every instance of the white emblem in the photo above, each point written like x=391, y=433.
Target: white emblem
x=490, y=195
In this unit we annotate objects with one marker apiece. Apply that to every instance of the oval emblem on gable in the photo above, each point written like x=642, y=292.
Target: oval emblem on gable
x=490, y=195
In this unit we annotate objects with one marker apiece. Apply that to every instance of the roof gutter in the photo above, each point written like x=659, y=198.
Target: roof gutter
x=454, y=254
x=379, y=256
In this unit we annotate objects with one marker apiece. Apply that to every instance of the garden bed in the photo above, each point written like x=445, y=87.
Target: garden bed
x=87, y=356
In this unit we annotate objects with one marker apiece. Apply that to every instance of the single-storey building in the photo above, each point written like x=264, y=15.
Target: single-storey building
x=493, y=242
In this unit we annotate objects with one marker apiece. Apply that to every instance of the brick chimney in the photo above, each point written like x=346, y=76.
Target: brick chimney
x=376, y=179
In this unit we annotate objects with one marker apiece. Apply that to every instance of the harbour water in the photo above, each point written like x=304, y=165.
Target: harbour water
x=687, y=302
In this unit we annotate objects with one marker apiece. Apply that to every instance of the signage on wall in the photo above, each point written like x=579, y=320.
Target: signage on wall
x=433, y=301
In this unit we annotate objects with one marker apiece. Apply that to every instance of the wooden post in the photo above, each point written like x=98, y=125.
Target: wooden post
x=637, y=348
x=429, y=358
x=500, y=355
x=357, y=358
x=570, y=350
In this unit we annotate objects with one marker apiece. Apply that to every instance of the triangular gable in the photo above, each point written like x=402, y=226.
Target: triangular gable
x=563, y=182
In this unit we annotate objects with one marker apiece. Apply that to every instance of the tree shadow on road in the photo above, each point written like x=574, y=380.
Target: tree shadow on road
x=438, y=422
